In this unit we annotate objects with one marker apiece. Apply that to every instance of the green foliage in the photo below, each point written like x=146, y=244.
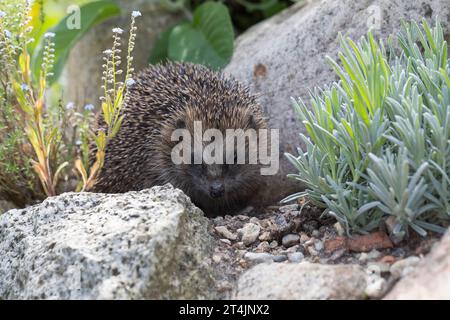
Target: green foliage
x=66, y=36
x=30, y=135
x=115, y=92
x=207, y=39
x=379, y=139
x=42, y=143
x=16, y=176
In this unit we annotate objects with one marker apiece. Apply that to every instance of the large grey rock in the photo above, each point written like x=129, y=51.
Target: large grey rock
x=151, y=244
x=430, y=279
x=301, y=281
x=284, y=57
x=83, y=71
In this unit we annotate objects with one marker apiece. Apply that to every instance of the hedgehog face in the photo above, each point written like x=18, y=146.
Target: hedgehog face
x=218, y=187
x=216, y=177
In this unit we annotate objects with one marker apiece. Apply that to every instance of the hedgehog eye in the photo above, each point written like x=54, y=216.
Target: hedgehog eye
x=180, y=124
x=252, y=122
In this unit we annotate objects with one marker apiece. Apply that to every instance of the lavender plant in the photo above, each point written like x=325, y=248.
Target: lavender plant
x=379, y=139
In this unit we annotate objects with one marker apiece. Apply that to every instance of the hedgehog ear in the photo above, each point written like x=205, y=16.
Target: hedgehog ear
x=180, y=124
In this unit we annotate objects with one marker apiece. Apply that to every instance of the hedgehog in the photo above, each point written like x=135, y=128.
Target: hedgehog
x=173, y=96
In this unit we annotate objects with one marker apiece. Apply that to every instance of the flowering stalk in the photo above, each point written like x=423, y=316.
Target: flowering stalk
x=39, y=136
x=14, y=39
x=115, y=93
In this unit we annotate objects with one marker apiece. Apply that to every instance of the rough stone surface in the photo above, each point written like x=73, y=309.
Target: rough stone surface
x=403, y=267
x=430, y=279
x=376, y=286
x=151, y=244
x=284, y=57
x=301, y=281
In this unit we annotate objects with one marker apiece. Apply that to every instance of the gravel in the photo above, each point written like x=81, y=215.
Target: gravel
x=249, y=233
x=258, y=257
x=224, y=232
x=296, y=257
x=290, y=239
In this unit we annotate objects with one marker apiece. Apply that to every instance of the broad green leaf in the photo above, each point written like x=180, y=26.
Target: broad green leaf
x=65, y=38
x=207, y=40
x=160, y=51
x=261, y=6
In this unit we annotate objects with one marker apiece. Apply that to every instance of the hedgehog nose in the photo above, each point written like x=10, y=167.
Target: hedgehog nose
x=216, y=190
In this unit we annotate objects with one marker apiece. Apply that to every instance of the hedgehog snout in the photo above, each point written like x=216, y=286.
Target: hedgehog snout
x=216, y=189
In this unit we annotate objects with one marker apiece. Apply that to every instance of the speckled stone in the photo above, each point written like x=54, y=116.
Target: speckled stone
x=151, y=244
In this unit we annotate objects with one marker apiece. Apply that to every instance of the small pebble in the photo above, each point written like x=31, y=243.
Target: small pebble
x=242, y=217
x=318, y=245
x=218, y=221
x=239, y=245
x=303, y=238
x=224, y=286
x=249, y=233
x=263, y=247
x=290, y=239
x=315, y=233
x=377, y=268
x=293, y=249
x=376, y=286
x=265, y=236
x=362, y=257
x=312, y=251
x=309, y=242
x=373, y=254
x=264, y=223
x=296, y=257
x=216, y=258
x=273, y=244
x=337, y=254
x=280, y=220
x=254, y=220
x=280, y=258
x=226, y=241
x=224, y=232
x=241, y=253
x=244, y=263
x=258, y=257
x=338, y=227
x=388, y=259
x=399, y=252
